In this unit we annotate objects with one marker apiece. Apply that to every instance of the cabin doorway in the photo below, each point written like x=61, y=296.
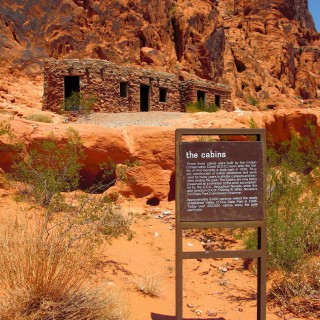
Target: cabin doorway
x=201, y=96
x=217, y=100
x=144, y=98
x=71, y=93
x=71, y=86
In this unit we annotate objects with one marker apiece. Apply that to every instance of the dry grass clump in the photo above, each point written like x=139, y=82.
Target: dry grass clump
x=149, y=285
x=43, y=278
x=39, y=118
x=299, y=293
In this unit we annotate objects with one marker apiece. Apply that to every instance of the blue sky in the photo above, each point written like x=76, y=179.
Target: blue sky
x=314, y=8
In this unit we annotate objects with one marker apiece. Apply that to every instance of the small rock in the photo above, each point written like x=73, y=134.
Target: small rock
x=189, y=244
x=229, y=267
x=198, y=312
x=166, y=212
x=240, y=309
x=156, y=234
x=190, y=305
x=223, y=269
x=211, y=313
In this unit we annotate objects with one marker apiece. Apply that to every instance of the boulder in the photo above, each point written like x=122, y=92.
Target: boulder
x=281, y=124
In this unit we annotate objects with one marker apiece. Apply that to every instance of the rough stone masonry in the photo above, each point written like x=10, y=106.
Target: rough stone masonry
x=116, y=88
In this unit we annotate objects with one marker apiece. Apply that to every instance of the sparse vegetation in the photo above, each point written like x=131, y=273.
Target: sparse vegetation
x=149, y=285
x=253, y=101
x=5, y=132
x=299, y=293
x=201, y=106
x=293, y=216
x=172, y=10
x=252, y=123
x=48, y=254
x=49, y=169
x=39, y=118
x=80, y=103
x=43, y=277
x=5, y=129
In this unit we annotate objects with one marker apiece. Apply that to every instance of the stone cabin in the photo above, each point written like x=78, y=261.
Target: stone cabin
x=117, y=88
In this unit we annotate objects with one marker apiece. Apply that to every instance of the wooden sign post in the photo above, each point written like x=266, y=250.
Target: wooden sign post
x=221, y=184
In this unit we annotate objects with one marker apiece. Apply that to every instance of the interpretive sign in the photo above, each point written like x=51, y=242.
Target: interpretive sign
x=221, y=181
x=221, y=184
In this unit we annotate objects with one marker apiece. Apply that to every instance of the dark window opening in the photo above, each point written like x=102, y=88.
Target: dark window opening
x=217, y=100
x=71, y=92
x=163, y=95
x=201, y=96
x=124, y=89
x=144, y=98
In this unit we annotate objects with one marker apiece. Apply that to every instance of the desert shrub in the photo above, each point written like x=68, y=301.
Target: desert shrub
x=253, y=124
x=94, y=218
x=299, y=293
x=39, y=118
x=293, y=219
x=79, y=102
x=293, y=209
x=50, y=168
x=50, y=175
x=149, y=285
x=253, y=101
x=43, y=277
x=6, y=134
x=47, y=257
x=5, y=129
x=201, y=106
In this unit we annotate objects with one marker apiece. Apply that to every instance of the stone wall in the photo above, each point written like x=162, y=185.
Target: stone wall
x=101, y=79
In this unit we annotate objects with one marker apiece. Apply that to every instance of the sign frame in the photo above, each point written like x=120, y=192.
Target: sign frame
x=260, y=253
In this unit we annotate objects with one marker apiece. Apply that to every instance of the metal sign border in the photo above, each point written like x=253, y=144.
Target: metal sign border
x=260, y=253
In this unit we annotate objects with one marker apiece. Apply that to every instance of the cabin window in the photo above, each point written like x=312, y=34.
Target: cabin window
x=163, y=92
x=124, y=88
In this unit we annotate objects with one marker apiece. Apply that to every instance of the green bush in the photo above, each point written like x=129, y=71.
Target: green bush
x=293, y=221
x=48, y=256
x=293, y=209
x=39, y=118
x=50, y=168
x=253, y=101
x=201, y=106
x=79, y=102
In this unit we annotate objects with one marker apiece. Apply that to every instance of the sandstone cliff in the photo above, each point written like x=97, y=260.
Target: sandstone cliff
x=267, y=50
x=154, y=178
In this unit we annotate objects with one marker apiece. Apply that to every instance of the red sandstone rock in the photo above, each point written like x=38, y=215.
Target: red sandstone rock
x=281, y=124
x=153, y=147
x=268, y=50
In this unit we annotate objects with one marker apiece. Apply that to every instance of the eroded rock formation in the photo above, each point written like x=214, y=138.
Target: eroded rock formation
x=152, y=147
x=267, y=50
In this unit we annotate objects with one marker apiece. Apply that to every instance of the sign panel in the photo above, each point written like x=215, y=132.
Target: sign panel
x=221, y=181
